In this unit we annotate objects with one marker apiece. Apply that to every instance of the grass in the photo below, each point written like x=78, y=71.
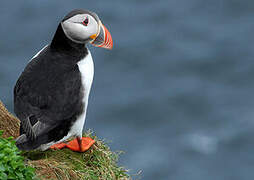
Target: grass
x=98, y=163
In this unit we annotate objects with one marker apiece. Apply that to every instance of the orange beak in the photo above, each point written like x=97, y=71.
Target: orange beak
x=103, y=39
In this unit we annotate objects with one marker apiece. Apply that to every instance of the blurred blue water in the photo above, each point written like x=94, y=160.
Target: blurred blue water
x=176, y=91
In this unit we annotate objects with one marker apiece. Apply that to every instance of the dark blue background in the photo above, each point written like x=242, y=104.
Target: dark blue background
x=176, y=92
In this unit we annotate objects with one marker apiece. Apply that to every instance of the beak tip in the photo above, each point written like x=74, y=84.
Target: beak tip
x=107, y=42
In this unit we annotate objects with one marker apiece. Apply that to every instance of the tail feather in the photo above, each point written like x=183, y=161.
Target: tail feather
x=28, y=129
x=26, y=144
x=21, y=141
x=37, y=135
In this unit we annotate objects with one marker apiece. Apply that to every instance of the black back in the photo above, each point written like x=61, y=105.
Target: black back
x=49, y=90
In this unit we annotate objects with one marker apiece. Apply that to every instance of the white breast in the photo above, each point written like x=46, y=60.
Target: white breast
x=86, y=68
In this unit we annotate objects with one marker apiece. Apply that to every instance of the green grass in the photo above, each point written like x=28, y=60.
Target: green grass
x=12, y=163
x=98, y=163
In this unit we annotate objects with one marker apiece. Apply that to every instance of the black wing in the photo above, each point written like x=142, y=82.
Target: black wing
x=49, y=91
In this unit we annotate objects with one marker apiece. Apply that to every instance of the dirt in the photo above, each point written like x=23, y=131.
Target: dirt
x=48, y=169
x=8, y=122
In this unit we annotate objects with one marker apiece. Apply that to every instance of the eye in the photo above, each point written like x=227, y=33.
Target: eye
x=85, y=22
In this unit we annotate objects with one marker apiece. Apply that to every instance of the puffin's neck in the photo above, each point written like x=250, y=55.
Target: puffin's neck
x=62, y=44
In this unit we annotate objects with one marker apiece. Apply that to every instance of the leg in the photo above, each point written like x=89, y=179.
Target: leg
x=80, y=144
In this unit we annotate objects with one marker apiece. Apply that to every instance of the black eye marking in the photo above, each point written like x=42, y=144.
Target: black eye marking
x=85, y=22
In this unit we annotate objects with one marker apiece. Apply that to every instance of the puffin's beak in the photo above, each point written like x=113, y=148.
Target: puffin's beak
x=103, y=39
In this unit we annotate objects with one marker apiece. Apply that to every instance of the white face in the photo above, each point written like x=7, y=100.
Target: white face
x=80, y=28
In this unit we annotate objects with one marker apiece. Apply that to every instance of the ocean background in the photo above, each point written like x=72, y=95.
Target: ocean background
x=176, y=91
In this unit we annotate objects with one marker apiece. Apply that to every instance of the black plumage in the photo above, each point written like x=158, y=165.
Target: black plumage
x=48, y=94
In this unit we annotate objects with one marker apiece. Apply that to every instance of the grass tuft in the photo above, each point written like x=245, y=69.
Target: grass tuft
x=98, y=163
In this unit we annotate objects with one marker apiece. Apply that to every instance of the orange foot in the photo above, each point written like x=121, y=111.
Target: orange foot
x=77, y=144
x=58, y=146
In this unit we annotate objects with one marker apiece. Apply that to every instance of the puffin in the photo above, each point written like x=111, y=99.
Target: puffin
x=51, y=95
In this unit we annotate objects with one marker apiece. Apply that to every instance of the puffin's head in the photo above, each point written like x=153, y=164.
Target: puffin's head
x=83, y=26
